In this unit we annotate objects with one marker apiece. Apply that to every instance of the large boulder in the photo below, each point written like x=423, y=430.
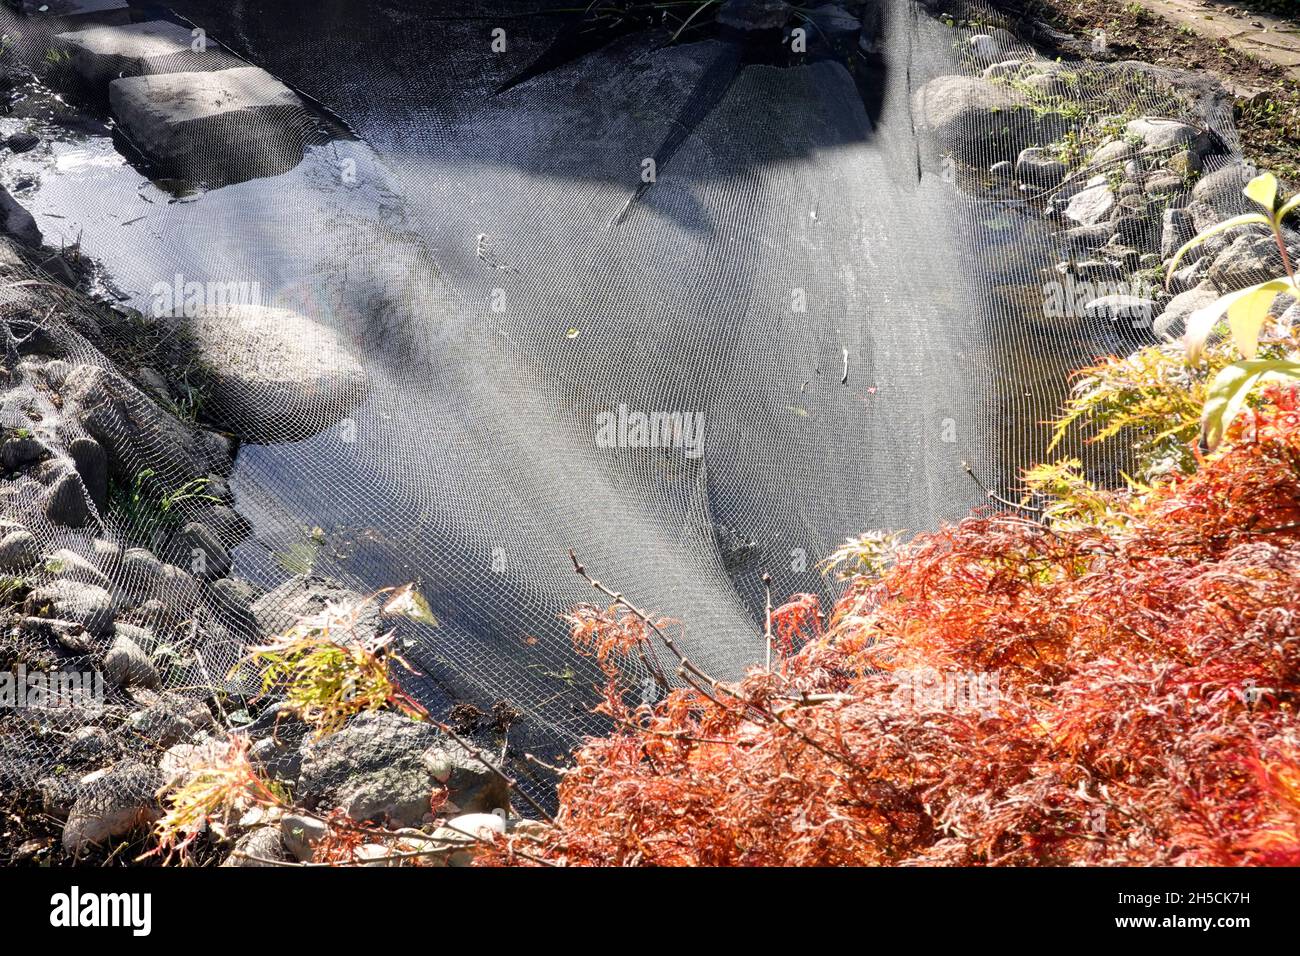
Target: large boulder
x=1248, y=259
x=127, y=665
x=305, y=596
x=1221, y=191
x=135, y=433
x=1166, y=136
x=112, y=804
x=19, y=550
x=105, y=53
x=260, y=847
x=387, y=767
x=980, y=122
x=67, y=502
x=1172, y=322
x=1091, y=206
x=271, y=374
x=168, y=718
x=73, y=601
x=216, y=127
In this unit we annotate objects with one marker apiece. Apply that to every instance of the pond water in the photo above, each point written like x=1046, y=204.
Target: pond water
x=790, y=277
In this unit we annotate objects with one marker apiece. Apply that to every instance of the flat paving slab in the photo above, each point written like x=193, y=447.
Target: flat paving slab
x=105, y=53
x=218, y=127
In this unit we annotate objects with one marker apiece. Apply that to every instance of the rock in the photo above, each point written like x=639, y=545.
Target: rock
x=261, y=844
x=218, y=127
x=1172, y=322
x=1047, y=84
x=1184, y=164
x=22, y=142
x=180, y=762
x=1220, y=191
x=1092, y=205
x=301, y=835
x=21, y=451
x=112, y=805
x=67, y=564
x=386, y=767
x=1165, y=185
x=1088, y=237
x=277, y=759
x=1168, y=135
x=750, y=15
x=83, y=604
x=135, y=433
x=69, y=636
x=225, y=522
x=271, y=374
x=1247, y=260
x=464, y=833
x=66, y=503
x=102, y=54
x=196, y=547
x=138, y=575
x=59, y=793
x=17, y=222
x=179, y=591
x=1003, y=170
x=1134, y=311
x=1177, y=228
x=1004, y=70
x=1038, y=167
x=1138, y=232
x=141, y=577
x=89, y=745
x=151, y=380
x=56, y=372
x=92, y=465
x=980, y=122
x=306, y=595
x=1189, y=276
x=231, y=602
x=1116, y=151
x=169, y=718
x=833, y=21
x=534, y=829
x=1203, y=215
x=985, y=48
x=19, y=550
x=373, y=854
x=126, y=665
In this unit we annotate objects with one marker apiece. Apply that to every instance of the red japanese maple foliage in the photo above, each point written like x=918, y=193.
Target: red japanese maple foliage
x=1121, y=692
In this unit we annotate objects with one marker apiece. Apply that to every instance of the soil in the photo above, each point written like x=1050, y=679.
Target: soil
x=1267, y=100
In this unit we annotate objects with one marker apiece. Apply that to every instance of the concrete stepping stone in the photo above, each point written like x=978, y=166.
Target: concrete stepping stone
x=102, y=54
x=215, y=127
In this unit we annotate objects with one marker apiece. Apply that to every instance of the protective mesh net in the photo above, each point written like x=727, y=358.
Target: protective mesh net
x=509, y=231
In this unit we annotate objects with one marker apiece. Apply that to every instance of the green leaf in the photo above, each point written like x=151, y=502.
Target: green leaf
x=1230, y=388
x=1246, y=309
x=1290, y=206
x=1246, y=316
x=1243, y=220
x=1262, y=190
